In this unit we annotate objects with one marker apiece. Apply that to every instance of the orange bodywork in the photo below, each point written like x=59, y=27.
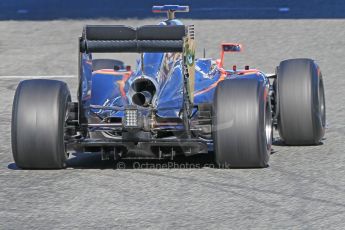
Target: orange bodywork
x=121, y=83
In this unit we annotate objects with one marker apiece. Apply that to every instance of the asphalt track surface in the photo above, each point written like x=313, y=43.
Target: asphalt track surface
x=303, y=188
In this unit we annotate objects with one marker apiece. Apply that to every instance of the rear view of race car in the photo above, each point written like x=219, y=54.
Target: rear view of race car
x=170, y=104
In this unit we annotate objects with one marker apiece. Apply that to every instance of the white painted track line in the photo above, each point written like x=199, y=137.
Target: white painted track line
x=37, y=77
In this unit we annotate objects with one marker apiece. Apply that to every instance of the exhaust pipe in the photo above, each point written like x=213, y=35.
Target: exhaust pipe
x=142, y=98
x=142, y=91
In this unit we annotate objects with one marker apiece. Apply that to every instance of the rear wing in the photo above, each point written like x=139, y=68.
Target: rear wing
x=125, y=39
x=118, y=39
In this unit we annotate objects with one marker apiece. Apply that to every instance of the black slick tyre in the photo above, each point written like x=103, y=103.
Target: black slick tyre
x=39, y=115
x=301, y=101
x=242, y=123
x=98, y=64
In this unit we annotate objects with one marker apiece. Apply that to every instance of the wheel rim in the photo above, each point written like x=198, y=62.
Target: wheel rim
x=268, y=126
x=66, y=131
x=322, y=103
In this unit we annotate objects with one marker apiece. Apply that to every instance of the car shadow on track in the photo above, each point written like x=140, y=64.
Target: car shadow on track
x=280, y=142
x=94, y=161
x=13, y=166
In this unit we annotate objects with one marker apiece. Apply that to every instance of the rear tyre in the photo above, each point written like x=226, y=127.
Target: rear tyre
x=98, y=64
x=242, y=123
x=38, y=124
x=301, y=99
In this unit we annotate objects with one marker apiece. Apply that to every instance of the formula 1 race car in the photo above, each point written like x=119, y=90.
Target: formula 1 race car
x=170, y=104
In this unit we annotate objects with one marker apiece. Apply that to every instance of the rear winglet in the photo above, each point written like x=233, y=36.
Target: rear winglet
x=229, y=48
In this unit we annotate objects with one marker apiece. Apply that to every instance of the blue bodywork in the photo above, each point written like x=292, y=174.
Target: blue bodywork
x=105, y=94
x=113, y=88
x=104, y=88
